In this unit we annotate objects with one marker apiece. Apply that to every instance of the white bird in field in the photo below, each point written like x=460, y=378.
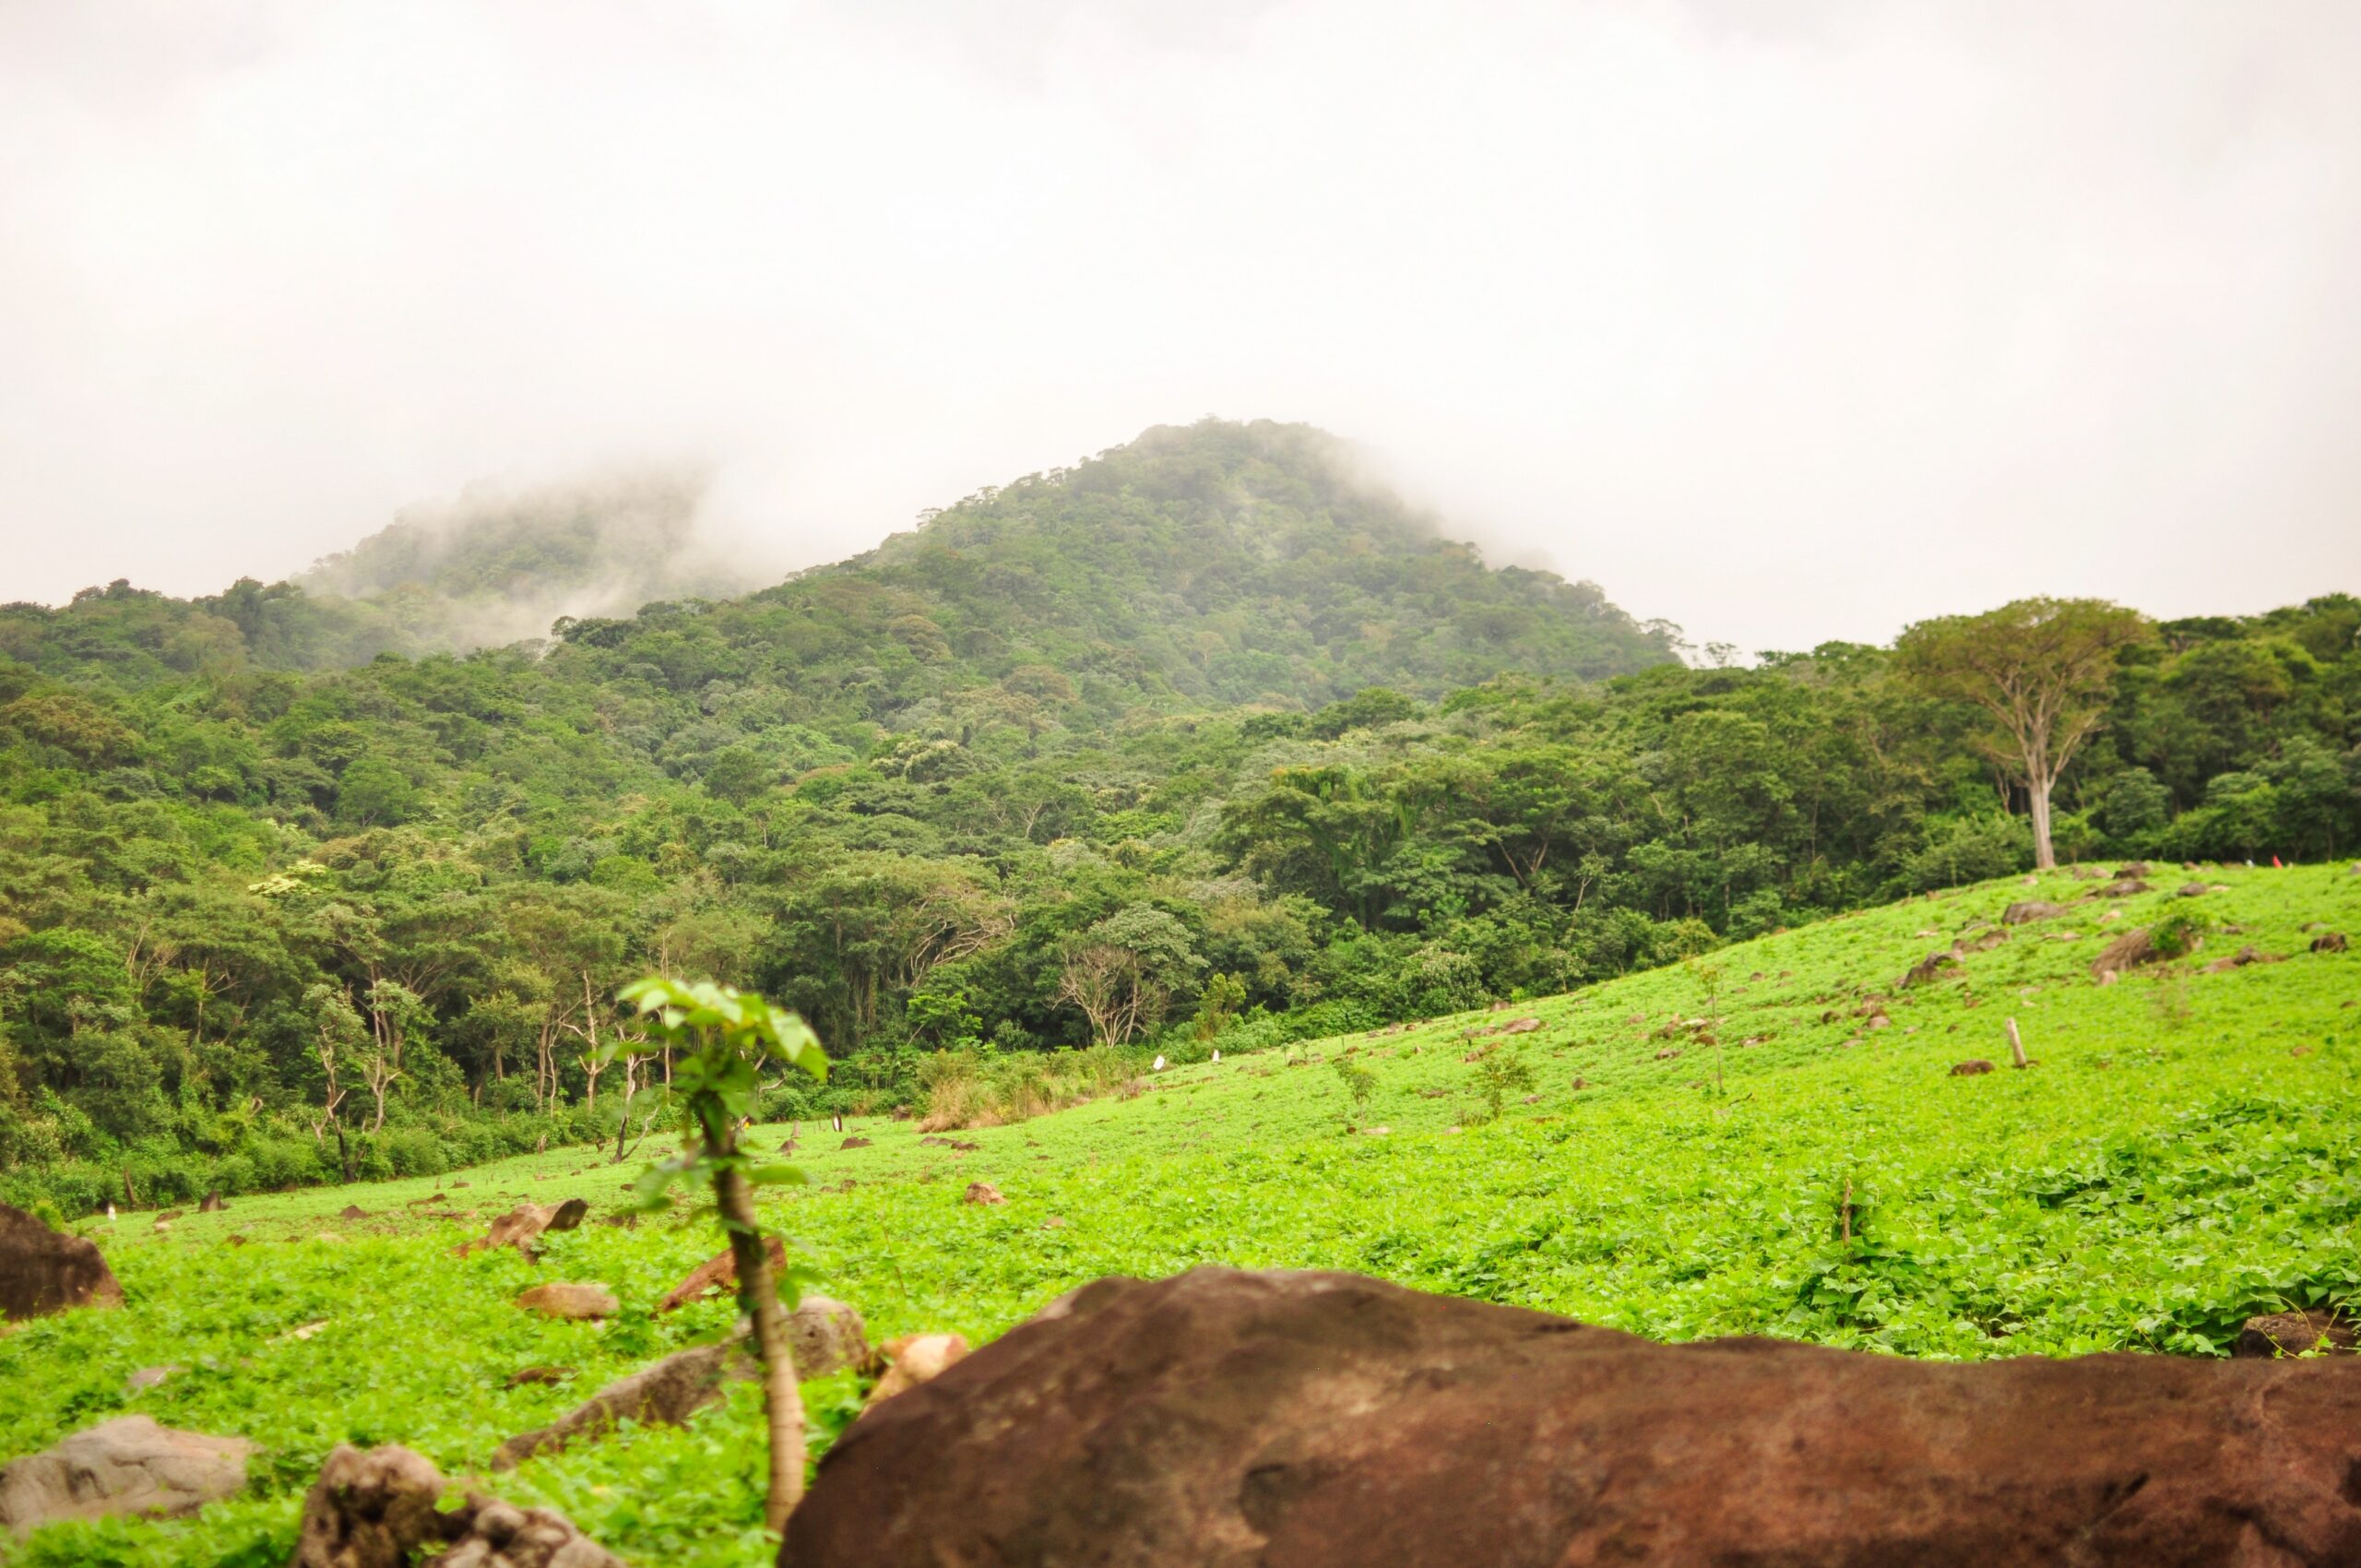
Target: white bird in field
x=1216, y=1058
x=838, y=1121
x=1159, y=1065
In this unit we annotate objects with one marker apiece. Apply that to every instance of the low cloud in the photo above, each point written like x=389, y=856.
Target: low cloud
x=1784, y=323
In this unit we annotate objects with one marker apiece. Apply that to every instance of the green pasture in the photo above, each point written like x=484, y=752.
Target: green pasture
x=1745, y=1155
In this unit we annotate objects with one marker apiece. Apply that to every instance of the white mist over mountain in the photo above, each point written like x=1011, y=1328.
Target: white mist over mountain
x=1783, y=322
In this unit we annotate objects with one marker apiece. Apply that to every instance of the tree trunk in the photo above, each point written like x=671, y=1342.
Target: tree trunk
x=2044, y=858
x=759, y=1299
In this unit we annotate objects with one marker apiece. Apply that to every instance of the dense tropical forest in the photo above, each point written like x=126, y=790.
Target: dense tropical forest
x=1205, y=740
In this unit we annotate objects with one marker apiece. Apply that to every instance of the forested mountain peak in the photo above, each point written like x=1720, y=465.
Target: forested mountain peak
x=1206, y=565
x=1243, y=562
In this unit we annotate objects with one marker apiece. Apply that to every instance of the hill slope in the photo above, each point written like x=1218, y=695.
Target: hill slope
x=1218, y=563
x=1243, y=562
x=2184, y=1153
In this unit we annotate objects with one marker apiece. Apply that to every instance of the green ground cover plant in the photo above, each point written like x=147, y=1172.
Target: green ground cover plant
x=1749, y=1150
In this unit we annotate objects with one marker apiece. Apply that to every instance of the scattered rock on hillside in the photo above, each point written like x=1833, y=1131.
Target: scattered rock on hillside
x=2195, y=890
x=665, y=1393
x=2240, y=959
x=856, y=1141
x=2132, y=869
x=129, y=1465
x=527, y=1376
x=2027, y=910
x=2293, y=1333
x=716, y=1273
x=1320, y=1420
x=826, y=1336
x=519, y=1226
x=168, y=1216
x=915, y=1359
x=44, y=1271
x=373, y=1510
x=574, y=1303
x=2330, y=941
x=212, y=1204
x=2128, y=951
x=2088, y=873
x=984, y=1193
x=149, y=1377
x=2124, y=888
x=351, y=1212
x=1971, y=1068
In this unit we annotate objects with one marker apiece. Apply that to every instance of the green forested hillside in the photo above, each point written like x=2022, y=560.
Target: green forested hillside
x=1767, y=1141
x=1198, y=740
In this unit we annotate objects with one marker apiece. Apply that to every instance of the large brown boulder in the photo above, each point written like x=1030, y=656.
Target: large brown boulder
x=44, y=1271
x=1225, y=1419
x=129, y=1465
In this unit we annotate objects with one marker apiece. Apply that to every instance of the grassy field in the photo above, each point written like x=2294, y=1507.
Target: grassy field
x=2185, y=1151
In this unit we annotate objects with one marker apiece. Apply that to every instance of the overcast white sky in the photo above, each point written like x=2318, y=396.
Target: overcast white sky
x=1785, y=322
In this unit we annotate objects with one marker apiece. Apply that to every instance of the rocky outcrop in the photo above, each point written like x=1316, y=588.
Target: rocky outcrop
x=44, y=1271
x=915, y=1359
x=2126, y=952
x=568, y=1300
x=716, y=1273
x=519, y=1227
x=667, y=1393
x=1227, y=1419
x=2027, y=910
x=2296, y=1333
x=129, y=1465
x=369, y=1509
x=375, y=1509
x=826, y=1336
x=492, y=1534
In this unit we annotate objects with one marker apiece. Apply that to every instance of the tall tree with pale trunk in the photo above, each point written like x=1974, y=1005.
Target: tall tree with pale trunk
x=2041, y=669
